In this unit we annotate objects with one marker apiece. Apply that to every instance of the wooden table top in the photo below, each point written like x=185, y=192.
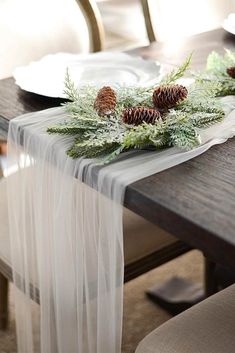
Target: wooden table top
x=195, y=201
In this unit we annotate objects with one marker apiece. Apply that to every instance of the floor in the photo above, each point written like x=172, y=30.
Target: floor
x=141, y=316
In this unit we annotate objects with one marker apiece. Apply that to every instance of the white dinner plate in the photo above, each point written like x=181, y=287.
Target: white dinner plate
x=46, y=76
x=229, y=23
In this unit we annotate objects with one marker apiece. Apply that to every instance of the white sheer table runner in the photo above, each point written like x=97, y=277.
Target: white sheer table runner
x=66, y=238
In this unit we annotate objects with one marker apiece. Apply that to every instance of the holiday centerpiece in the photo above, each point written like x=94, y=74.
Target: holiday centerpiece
x=108, y=121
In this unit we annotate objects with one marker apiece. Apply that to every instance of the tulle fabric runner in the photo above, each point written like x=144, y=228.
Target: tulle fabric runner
x=67, y=237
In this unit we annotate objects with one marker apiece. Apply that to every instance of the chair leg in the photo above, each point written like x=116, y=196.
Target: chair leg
x=3, y=302
x=211, y=285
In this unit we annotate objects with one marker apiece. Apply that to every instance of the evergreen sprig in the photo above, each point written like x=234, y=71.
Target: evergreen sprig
x=70, y=89
x=174, y=75
x=216, y=71
x=104, y=138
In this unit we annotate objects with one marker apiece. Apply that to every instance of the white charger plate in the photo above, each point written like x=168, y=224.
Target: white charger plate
x=46, y=76
x=229, y=23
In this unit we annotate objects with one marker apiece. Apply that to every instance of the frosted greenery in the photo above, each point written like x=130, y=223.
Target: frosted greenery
x=105, y=137
x=217, y=65
x=178, y=73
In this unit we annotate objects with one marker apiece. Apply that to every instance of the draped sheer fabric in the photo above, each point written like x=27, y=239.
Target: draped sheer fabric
x=66, y=234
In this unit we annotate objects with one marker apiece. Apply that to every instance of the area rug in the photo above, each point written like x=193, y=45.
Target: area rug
x=141, y=316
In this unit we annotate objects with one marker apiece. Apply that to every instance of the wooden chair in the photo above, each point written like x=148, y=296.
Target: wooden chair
x=207, y=327
x=94, y=23
x=145, y=247
x=70, y=26
x=181, y=18
x=148, y=20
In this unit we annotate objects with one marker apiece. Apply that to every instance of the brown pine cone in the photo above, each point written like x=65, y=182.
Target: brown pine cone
x=105, y=101
x=138, y=115
x=168, y=96
x=231, y=71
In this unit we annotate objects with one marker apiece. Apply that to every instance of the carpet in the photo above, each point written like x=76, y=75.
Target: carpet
x=141, y=316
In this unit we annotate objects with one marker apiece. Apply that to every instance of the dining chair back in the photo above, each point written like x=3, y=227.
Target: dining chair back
x=206, y=327
x=166, y=19
x=31, y=29
x=94, y=23
x=146, y=6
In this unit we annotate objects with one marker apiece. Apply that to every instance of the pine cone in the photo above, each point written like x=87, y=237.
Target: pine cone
x=105, y=101
x=231, y=71
x=168, y=96
x=138, y=115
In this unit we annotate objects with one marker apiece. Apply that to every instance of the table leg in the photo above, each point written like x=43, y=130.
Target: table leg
x=179, y=294
x=3, y=302
x=210, y=280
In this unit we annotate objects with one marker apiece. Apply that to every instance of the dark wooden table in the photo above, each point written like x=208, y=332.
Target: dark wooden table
x=195, y=201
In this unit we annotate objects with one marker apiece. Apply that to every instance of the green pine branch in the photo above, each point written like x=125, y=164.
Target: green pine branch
x=70, y=89
x=204, y=120
x=69, y=129
x=218, y=64
x=216, y=71
x=174, y=75
x=79, y=150
x=112, y=154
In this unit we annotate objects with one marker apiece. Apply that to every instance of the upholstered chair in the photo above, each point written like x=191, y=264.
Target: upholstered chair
x=208, y=327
